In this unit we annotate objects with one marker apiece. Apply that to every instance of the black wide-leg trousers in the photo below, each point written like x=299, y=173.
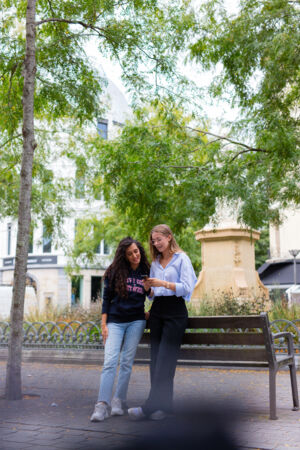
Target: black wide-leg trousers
x=168, y=321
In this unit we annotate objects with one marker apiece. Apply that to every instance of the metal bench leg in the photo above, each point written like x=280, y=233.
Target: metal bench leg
x=294, y=387
x=272, y=393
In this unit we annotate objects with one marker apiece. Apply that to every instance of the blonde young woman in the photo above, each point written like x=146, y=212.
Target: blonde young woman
x=172, y=281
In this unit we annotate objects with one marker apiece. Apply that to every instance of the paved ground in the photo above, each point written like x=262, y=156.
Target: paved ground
x=229, y=410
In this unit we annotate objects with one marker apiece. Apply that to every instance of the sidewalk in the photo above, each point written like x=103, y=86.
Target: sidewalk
x=232, y=404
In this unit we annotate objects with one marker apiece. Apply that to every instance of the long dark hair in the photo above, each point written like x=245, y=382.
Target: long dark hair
x=118, y=271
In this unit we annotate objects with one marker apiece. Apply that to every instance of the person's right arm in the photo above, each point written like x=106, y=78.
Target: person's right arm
x=104, y=327
x=147, y=287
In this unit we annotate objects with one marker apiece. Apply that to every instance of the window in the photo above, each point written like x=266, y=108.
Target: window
x=8, y=238
x=79, y=184
x=102, y=248
x=96, y=289
x=47, y=240
x=105, y=248
x=102, y=128
x=76, y=290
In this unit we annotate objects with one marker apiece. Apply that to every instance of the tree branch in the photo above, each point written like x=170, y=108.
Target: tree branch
x=224, y=138
x=246, y=151
x=6, y=170
x=170, y=166
x=10, y=139
x=98, y=30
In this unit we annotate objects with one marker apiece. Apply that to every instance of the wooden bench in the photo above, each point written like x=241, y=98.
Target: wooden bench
x=234, y=341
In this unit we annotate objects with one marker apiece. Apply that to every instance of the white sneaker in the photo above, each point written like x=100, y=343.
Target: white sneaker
x=116, y=407
x=100, y=413
x=158, y=415
x=136, y=413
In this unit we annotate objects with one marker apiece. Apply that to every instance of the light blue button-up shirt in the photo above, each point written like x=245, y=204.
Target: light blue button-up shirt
x=179, y=271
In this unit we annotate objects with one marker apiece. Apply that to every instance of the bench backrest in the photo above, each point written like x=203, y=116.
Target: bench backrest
x=230, y=339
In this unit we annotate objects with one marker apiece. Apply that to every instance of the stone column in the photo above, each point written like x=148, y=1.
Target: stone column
x=228, y=264
x=86, y=301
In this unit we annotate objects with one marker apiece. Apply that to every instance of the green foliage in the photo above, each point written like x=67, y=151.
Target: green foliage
x=160, y=169
x=164, y=169
x=262, y=247
x=258, y=53
x=144, y=36
x=280, y=310
x=157, y=171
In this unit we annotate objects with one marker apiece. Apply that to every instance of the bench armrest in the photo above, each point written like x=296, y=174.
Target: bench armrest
x=290, y=341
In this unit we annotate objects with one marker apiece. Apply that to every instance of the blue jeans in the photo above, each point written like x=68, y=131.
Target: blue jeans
x=122, y=341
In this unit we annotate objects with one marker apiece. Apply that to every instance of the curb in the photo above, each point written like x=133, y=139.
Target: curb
x=94, y=357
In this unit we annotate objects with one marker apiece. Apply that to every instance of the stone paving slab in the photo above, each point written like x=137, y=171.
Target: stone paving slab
x=231, y=402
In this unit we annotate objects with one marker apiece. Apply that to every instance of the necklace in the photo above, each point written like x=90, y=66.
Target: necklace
x=165, y=260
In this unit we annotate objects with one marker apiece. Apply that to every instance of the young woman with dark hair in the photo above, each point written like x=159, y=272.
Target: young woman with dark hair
x=123, y=323
x=172, y=281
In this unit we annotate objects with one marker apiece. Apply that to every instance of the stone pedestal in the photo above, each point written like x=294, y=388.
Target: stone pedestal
x=228, y=264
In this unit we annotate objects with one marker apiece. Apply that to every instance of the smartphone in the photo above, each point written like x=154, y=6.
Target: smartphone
x=145, y=277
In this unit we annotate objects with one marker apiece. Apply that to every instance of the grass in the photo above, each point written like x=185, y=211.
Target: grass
x=66, y=314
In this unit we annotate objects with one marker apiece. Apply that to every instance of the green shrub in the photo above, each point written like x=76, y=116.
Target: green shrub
x=281, y=310
x=226, y=304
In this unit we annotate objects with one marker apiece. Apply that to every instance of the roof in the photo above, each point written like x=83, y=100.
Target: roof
x=279, y=272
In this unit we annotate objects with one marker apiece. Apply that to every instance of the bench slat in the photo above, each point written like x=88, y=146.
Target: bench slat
x=224, y=354
x=217, y=338
x=226, y=322
x=214, y=356
x=224, y=338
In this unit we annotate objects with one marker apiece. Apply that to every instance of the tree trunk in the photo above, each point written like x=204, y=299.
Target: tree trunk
x=13, y=370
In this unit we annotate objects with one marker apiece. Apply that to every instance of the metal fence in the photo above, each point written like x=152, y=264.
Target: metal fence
x=87, y=335
x=287, y=325
x=74, y=334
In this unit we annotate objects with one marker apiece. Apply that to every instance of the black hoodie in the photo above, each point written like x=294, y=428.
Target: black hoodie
x=125, y=309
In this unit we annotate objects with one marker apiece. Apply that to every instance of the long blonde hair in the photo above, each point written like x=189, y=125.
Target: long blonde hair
x=166, y=231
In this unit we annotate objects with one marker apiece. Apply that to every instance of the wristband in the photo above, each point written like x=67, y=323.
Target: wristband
x=148, y=292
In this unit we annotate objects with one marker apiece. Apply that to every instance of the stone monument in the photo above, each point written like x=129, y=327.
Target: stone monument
x=228, y=259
